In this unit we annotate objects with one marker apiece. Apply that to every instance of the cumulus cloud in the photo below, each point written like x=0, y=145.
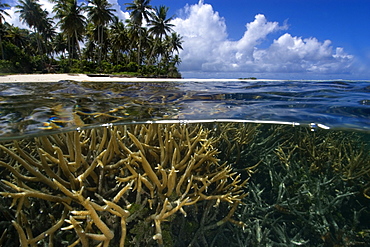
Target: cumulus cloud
x=13, y=17
x=208, y=49
x=203, y=30
x=122, y=15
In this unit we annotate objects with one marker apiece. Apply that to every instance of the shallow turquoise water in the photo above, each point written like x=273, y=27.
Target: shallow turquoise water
x=29, y=108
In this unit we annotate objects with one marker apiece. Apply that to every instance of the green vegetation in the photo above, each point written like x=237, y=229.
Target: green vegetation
x=144, y=45
x=248, y=78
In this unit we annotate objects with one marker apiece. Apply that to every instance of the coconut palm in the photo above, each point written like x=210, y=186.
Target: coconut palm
x=159, y=24
x=140, y=9
x=138, y=36
x=3, y=33
x=46, y=31
x=31, y=13
x=100, y=14
x=3, y=11
x=17, y=36
x=176, y=60
x=37, y=19
x=173, y=43
x=2, y=18
x=72, y=23
x=118, y=38
x=159, y=27
x=89, y=51
x=60, y=44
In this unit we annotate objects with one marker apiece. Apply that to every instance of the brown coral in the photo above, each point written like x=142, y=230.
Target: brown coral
x=102, y=179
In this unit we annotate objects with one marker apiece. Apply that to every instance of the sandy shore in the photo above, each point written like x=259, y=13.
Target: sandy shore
x=86, y=78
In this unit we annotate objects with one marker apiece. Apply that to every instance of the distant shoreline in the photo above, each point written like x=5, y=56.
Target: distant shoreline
x=94, y=78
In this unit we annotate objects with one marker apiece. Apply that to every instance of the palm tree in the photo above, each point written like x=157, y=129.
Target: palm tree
x=18, y=36
x=37, y=19
x=176, y=60
x=30, y=13
x=100, y=14
x=72, y=23
x=159, y=24
x=137, y=35
x=174, y=42
x=140, y=9
x=89, y=51
x=46, y=32
x=3, y=11
x=60, y=44
x=118, y=38
x=2, y=18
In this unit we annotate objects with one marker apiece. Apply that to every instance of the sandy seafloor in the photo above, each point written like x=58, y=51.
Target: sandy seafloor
x=86, y=78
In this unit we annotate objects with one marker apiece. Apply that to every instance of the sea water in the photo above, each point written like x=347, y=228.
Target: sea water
x=242, y=162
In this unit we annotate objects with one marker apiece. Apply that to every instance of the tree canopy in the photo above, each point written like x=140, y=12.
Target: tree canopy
x=88, y=37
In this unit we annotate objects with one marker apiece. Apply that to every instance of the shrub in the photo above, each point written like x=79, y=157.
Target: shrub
x=132, y=67
x=7, y=67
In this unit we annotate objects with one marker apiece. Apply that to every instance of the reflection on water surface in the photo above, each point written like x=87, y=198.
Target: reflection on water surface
x=30, y=108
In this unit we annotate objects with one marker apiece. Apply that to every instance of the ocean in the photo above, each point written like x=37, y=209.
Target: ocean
x=185, y=163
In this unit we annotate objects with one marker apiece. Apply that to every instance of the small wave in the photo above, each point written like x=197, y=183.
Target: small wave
x=32, y=108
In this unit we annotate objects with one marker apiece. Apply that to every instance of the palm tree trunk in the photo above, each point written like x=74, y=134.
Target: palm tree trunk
x=78, y=46
x=100, y=44
x=69, y=50
x=2, y=48
x=139, y=51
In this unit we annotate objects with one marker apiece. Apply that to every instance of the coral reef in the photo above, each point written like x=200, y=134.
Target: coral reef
x=94, y=186
x=310, y=189
x=185, y=185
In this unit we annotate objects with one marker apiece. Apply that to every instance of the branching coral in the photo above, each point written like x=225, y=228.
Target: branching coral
x=235, y=139
x=307, y=191
x=105, y=179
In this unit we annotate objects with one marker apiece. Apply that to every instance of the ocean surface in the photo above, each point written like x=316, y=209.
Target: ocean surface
x=30, y=108
x=200, y=163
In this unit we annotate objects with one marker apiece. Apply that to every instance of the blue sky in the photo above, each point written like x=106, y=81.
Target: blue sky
x=345, y=23
x=277, y=39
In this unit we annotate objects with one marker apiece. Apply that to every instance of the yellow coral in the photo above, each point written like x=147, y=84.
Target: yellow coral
x=98, y=174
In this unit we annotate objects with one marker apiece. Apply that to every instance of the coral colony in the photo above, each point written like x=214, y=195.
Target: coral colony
x=103, y=181
x=186, y=185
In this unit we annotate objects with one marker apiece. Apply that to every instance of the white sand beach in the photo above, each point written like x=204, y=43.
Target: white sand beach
x=86, y=78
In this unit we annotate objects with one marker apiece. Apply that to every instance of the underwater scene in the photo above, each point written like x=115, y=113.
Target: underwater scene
x=240, y=163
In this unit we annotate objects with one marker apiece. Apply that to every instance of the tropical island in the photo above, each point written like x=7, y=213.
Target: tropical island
x=87, y=37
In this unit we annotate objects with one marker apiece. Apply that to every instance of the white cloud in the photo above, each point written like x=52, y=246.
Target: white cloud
x=13, y=17
x=203, y=30
x=122, y=15
x=208, y=49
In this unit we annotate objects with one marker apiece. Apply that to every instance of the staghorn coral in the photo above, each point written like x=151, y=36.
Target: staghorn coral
x=235, y=139
x=310, y=189
x=96, y=185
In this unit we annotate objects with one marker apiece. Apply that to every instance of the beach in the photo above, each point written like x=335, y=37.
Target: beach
x=87, y=78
